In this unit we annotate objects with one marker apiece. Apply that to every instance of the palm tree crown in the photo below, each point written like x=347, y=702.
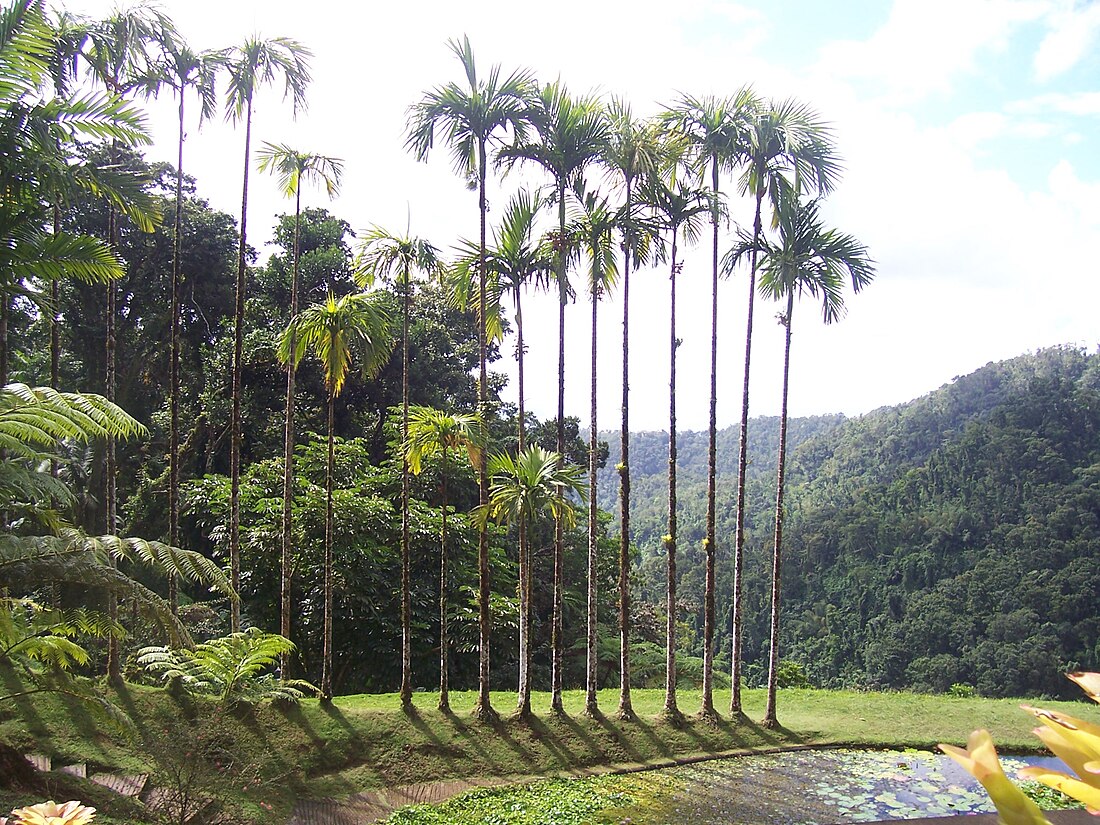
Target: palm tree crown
x=336, y=329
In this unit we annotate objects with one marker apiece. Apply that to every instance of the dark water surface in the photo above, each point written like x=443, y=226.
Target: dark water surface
x=815, y=788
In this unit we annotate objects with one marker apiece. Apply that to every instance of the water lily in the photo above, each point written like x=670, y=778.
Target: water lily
x=980, y=761
x=50, y=813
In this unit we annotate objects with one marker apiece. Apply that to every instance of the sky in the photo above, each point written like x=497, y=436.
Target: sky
x=968, y=130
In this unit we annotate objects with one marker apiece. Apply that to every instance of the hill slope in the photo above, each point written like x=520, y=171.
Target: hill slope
x=953, y=539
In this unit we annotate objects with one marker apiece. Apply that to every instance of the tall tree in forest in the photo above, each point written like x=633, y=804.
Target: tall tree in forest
x=634, y=151
x=785, y=143
x=180, y=69
x=474, y=117
x=434, y=434
x=336, y=331
x=121, y=51
x=569, y=135
x=514, y=262
x=384, y=254
x=680, y=209
x=524, y=487
x=251, y=66
x=713, y=130
x=292, y=168
x=805, y=259
x=594, y=229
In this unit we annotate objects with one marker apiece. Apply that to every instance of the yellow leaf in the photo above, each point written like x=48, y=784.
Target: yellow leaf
x=980, y=761
x=1088, y=682
x=1082, y=736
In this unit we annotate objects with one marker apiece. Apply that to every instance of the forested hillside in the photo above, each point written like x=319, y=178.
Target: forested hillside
x=951, y=540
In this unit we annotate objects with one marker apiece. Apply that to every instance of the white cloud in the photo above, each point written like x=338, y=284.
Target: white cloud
x=1076, y=103
x=925, y=44
x=1072, y=31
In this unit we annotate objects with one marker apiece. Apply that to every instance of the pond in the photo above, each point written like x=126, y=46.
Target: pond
x=810, y=787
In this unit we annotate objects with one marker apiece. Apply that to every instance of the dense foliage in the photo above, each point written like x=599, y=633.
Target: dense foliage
x=953, y=540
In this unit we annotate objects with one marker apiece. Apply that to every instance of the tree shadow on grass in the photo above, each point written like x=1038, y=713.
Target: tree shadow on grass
x=549, y=740
x=615, y=731
x=24, y=705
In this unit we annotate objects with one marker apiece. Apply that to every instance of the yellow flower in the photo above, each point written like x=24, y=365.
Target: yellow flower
x=980, y=761
x=1077, y=743
x=1088, y=682
x=50, y=813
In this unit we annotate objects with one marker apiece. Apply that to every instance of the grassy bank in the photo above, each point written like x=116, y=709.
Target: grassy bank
x=365, y=742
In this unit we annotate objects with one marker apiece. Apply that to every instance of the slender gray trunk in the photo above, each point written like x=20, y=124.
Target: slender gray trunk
x=742, y=472
x=770, y=719
x=444, y=641
x=712, y=465
x=287, y=563
x=326, y=666
x=174, y=380
x=523, y=703
x=626, y=709
x=406, y=602
x=235, y=422
x=559, y=535
x=670, y=538
x=111, y=494
x=591, y=705
x=484, y=707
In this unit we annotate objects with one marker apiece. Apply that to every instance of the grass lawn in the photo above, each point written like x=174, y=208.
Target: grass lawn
x=365, y=742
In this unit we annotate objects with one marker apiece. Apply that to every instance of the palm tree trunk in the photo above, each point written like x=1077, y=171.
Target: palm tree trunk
x=174, y=379
x=559, y=536
x=326, y=665
x=406, y=604
x=55, y=330
x=626, y=709
x=111, y=495
x=742, y=472
x=770, y=720
x=5, y=309
x=523, y=704
x=484, y=708
x=55, y=327
x=286, y=566
x=591, y=706
x=444, y=641
x=235, y=423
x=712, y=466
x=671, y=708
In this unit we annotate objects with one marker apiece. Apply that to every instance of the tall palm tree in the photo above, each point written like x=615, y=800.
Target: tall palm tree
x=180, y=69
x=473, y=118
x=433, y=433
x=121, y=51
x=252, y=65
x=569, y=135
x=805, y=259
x=786, y=144
x=594, y=228
x=336, y=330
x=382, y=254
x=680, y=209
x=292, y=167
x=515, y=261
x=713, y=130
x=634, y=151
x=524, y=487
